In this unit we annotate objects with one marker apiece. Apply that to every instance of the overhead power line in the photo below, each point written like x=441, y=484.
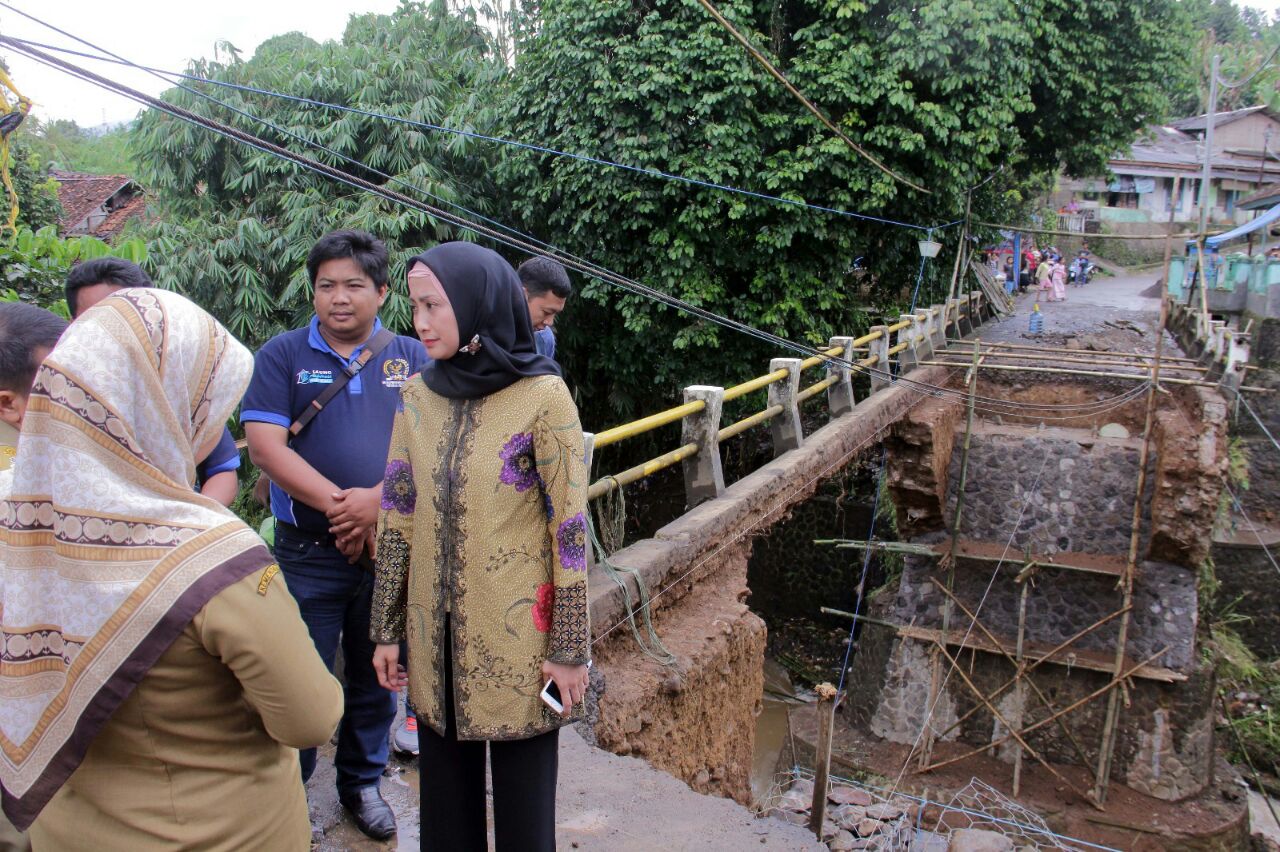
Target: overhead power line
x=471, y=134
x=590, y=269
x=808, y=104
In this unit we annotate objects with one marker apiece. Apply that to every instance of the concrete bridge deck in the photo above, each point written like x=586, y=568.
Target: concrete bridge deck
x=604, y=803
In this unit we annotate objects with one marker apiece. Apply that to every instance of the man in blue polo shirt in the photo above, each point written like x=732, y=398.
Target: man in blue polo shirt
x=326, y=485
x=91, y=281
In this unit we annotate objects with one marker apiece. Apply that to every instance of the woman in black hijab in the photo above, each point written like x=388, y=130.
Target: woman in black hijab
x=481, y=565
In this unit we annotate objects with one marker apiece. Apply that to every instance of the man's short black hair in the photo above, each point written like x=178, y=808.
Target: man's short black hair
x=24, y=330
x=103, y=270
x=369, y=252
x=540, y=274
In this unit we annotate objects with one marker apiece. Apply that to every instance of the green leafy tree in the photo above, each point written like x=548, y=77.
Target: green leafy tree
x=63, y=144
x=237, y=223
x=37, y=192
x=945, y=92
x=34, y=264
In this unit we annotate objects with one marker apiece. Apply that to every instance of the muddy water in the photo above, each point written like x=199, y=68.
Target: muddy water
x=773, y=728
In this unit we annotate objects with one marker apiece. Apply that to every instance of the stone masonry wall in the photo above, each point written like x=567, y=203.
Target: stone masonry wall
x=1077, y=488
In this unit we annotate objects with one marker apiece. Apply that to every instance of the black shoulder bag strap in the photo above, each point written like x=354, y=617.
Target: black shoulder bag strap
x=380, y=341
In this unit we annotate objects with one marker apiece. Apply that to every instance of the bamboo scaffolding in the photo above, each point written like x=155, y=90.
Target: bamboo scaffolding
x=1020, y=695
x=1137, y=362
x=1092, y=373
x=935, y=674
x=1012, y=731
x=1112, y=684
x=1111, y=723
x=995, y=344
x=931, y=552
x=1016, y=660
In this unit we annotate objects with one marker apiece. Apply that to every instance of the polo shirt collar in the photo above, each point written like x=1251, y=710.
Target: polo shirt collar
x=317, y=341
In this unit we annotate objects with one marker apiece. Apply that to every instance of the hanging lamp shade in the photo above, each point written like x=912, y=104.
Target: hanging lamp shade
x=929, y=248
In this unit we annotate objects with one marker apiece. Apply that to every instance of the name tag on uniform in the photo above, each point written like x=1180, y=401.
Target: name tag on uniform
x=315, y=377
x=267, y=576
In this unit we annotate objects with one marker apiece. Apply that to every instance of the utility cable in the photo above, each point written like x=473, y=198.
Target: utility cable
x=470, y=134
x=1262, y=66
x=592, y=270
x=808, y=104
x=866, y=564
x=1247, y=407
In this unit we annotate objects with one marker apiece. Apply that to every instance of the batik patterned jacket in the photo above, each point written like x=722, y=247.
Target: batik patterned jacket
x=483, y=519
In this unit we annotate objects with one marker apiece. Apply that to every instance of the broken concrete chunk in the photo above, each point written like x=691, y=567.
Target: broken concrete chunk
x=884, y=812
x=794, y=800
x=978, y=840
x=849, y=796
x=1113, y=430
x=842, y=841
x=848, y=815
x=868, y=827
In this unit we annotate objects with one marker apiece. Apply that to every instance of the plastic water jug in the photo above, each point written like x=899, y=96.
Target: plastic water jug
x=1037, y=320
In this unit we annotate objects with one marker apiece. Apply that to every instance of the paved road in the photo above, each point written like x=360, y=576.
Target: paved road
x=604, y=802
x=1119, y=300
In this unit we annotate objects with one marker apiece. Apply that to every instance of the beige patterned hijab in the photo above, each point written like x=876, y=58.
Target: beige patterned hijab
x=106, y=550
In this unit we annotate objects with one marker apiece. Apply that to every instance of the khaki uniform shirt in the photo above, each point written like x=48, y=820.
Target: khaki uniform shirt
x=483, y=522
x=203, y=753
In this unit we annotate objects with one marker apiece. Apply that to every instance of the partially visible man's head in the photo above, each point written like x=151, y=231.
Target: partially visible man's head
x=348, y=271
x=92, y=281
x=547, y=287
x=27, y=333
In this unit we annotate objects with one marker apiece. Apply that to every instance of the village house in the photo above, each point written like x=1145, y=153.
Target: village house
x=1137, y=196
x=97, y=205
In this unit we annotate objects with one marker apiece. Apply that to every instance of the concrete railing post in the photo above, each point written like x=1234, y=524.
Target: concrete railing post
x=1237, y=358
x=964, y=321
x=840, y=395
x=588, y=456
x=909, y=358
x=703, y=477
x=879, y=347
x=787, y=432
x=938, y=327
x=924, y=325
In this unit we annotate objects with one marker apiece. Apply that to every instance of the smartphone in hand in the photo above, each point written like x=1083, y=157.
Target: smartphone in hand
x=550, y=694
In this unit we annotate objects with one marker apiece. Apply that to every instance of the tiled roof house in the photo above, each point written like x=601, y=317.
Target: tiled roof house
x=98, y=205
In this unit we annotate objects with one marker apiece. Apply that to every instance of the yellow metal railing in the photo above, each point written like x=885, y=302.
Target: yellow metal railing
x=604, y=485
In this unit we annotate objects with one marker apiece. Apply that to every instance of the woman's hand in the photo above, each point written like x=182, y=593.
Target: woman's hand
x=386, y=663
x=570, y=680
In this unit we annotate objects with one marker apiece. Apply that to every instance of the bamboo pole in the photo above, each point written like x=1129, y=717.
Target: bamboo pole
x=1080, y=234
x=935, y=673
x=1081, y=360
x=1019, y=694
x=826, y=719
x=1013, y=680
x=1112, y=720
x=960, y=251
x=1094, y=373
x=995, y=344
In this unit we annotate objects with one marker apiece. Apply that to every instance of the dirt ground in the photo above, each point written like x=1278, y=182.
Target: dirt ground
x=604, y=802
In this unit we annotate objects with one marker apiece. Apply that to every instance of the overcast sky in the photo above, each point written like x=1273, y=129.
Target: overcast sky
x=167, y=34
x=159, y=33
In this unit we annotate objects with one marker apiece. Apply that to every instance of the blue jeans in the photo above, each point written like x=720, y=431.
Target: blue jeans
x=334, y=597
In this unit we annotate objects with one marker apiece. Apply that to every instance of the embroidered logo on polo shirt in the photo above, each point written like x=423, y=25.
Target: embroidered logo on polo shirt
x=315, y=377
x=395, y=372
